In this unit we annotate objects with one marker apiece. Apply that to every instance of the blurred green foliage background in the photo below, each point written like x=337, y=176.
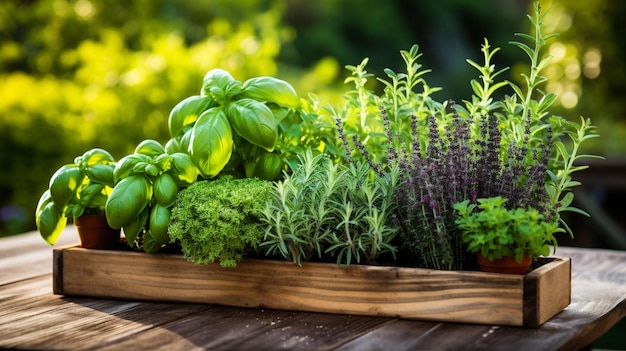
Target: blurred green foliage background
x=77, y=74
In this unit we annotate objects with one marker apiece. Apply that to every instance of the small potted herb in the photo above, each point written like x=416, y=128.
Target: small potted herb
x=79, y=190
x=505, y=240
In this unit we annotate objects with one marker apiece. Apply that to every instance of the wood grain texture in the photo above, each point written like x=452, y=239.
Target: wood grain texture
x=453, y=296
x=547, y=291
x=32, y=249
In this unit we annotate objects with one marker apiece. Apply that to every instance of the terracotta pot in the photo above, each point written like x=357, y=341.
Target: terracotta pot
x=506, y=265
x=94, y=232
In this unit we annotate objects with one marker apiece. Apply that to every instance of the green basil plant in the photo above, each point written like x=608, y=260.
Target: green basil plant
x=230, y=128
x=146, y=185
x=233, y=127
x=78, y=188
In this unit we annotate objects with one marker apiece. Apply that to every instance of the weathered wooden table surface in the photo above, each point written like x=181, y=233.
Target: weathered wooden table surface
x=32, y=317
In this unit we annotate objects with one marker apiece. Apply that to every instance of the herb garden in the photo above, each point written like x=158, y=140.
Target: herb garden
x=256, y=174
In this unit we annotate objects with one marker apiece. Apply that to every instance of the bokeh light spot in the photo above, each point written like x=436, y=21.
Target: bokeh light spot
x=84, y=8
x=569, y=99
x=592, y=60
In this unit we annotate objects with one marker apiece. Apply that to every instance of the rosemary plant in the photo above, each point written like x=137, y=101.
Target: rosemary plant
x=325, y=209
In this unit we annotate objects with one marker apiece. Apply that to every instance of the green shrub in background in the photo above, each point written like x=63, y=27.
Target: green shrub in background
x=81, y=74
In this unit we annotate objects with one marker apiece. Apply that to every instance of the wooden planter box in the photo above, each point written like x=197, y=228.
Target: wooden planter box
x=410, y=293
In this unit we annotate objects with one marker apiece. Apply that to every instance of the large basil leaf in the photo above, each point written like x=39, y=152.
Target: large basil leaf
x=126, y=166
x=63, y=184
x=211, y=142
x=186, y=112
x=165, y=190
x=255, y=122
x=269, y=166
x=101, y=173
x=270, y=89
x=45, y=199
x=150, y=147
x=220, y=85
x=183, y=169
x=50, y=221
x=94, y=156
x=159, y=221
x=129, y=197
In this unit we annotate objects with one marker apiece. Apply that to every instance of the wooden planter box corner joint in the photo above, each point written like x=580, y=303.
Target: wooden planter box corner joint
x=410, y=293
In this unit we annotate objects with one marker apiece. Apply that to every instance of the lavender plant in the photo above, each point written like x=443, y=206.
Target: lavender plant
x=512, y=149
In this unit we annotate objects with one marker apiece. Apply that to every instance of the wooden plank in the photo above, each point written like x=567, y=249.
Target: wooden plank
x=406, y=335
x=228, y=328
x=309, y=331
x=553, y=290
x=547, y=291
x=42, y=320
x=29, y=247
x=399, y=335
x=469, y=297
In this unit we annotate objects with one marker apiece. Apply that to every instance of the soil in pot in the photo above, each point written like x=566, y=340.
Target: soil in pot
x=95, y=233
x=506, y=265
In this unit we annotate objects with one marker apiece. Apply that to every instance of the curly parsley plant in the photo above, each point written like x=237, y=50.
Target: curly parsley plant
x=219, y=219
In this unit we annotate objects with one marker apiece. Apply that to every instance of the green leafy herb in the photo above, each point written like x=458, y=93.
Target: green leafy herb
x=324, y=208
x=232, y=124
x=146, y=184
x=512, y=148
x=219, y=219
x=78, y=188
x=495, y=231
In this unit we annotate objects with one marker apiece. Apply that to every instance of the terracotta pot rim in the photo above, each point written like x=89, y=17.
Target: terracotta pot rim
x=91, y=220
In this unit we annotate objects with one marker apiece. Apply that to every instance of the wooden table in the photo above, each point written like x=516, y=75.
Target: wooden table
x=32, y=317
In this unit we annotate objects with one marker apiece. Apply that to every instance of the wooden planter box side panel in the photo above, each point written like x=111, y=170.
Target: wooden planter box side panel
x=547, y=292
x=467, y=297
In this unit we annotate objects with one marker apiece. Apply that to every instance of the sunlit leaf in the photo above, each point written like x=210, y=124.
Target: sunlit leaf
x=270, y=89
x=129, y=197
x=150, y=147
x=220, y=85
x=186, y=112
x=211, y=142
x=255, y=122
x=50, y=223
x=64, y=183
